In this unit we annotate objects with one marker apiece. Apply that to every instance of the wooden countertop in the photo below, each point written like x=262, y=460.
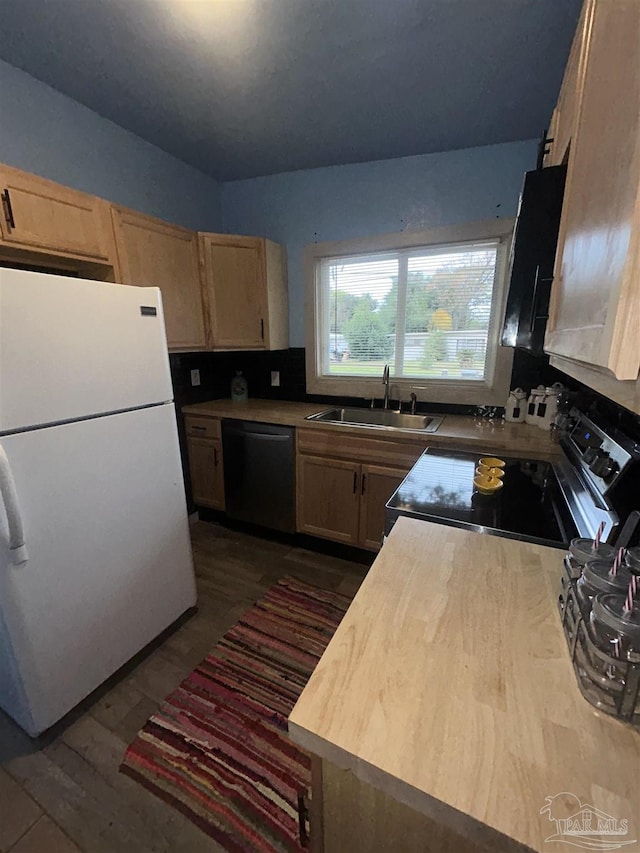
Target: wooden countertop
x=455, y=430
x=448, y=685
x=282, y=412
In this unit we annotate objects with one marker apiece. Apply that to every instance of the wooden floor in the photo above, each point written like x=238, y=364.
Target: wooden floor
x=65, y=794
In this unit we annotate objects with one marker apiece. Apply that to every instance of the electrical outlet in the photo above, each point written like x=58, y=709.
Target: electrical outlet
x=195, y=377
x=275, y=378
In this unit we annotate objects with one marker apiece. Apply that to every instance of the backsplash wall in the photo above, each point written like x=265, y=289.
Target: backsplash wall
x=217, y=370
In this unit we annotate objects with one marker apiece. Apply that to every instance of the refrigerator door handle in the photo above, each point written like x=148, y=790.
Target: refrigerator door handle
x=9, y=495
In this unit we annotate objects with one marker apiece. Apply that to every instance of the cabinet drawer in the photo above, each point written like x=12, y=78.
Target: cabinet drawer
x=202, y=427
x=396, y=453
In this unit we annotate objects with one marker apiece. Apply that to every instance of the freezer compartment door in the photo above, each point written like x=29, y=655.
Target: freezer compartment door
x=109, y=557
x=72, y=348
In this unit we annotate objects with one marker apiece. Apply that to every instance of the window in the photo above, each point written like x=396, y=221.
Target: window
x=431, y=309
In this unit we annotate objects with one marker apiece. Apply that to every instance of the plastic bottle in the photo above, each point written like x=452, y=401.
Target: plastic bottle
x=239, y=388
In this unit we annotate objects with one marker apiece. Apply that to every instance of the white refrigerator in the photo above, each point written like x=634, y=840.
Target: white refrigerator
x=95, y=556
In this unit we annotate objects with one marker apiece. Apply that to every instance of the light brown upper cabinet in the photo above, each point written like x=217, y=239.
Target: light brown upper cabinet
x=595, y=304
x=563, y=122
x=45, y=217
x=154, y=253
x=245, y=293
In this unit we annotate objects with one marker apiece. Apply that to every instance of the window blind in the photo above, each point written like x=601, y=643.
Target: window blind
x=425, y=311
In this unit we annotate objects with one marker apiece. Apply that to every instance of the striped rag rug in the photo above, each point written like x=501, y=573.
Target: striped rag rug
x=218, y=749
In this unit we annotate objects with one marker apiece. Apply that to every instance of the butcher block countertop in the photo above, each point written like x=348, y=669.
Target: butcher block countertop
x=448, y=686
x=456, y=430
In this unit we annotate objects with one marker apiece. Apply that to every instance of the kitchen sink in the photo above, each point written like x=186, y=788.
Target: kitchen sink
x=381, y=418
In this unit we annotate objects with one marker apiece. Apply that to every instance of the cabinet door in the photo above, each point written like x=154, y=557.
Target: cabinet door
x=207, y=475
x=353, y=816
x=595, y=309
x=328, y=498
x=44, y=216
x=376, y=487
x=565, y=115
x=235, y=291
x=153, y=253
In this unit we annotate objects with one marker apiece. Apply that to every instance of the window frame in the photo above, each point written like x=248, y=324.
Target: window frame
x=492, y=390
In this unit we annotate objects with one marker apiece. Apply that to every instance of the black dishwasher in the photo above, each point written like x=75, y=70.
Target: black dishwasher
x=259, y=473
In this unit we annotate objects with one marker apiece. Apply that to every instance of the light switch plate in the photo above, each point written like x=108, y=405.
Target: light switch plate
x=195, y=377
x=275, y=378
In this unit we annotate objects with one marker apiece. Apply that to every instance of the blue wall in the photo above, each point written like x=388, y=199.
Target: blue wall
x=362, y=200
x=45, y=132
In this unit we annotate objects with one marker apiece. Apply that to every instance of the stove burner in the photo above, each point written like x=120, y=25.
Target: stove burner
x=530, y=507
x=593, y=481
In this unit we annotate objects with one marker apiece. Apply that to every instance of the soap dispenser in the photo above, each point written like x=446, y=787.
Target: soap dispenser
x=239, y=388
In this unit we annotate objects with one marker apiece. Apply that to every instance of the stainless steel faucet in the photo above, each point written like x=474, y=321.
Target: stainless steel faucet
x=385, y=382
x=414, y=400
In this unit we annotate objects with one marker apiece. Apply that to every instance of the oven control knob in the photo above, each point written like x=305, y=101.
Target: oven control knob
x=604, y=466
x=590, y=455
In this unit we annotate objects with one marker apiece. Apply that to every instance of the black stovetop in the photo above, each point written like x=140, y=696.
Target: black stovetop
x=530, y=506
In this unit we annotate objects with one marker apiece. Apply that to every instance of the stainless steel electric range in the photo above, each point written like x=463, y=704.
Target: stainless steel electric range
x=594, y=480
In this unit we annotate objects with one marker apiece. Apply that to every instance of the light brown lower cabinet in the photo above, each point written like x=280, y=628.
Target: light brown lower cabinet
x=344, y=501
x=207, y=473
x=204, y=444
x=347, y=814
x=377, y=484
x=328, y=498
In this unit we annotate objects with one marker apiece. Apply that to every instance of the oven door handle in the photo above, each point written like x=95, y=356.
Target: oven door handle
x=586, y=514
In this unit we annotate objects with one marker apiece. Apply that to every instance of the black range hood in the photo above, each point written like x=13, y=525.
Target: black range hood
x=532, y=259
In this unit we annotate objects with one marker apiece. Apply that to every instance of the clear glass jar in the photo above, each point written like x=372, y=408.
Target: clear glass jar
x=632, y=560
x=581, y=551
x=616, y=632
x=596, y=579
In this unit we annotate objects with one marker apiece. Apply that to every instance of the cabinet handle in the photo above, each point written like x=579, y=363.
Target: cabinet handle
x=364, y=477
x=262, y=328
x=8, y=210
x=198, y=429
x=355, y=481
x=215, y=457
